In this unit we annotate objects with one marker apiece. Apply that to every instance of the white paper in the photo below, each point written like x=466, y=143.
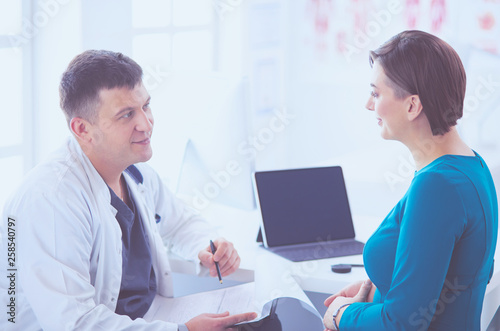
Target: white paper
x=236, y=299
x=273, y=279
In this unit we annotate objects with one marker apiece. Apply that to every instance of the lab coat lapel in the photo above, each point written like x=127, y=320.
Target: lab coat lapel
x=106, y=258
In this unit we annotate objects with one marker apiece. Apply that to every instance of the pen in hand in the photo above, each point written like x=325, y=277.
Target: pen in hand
x=212, y=247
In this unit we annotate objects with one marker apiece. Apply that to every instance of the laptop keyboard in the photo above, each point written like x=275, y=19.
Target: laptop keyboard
x=320, y=250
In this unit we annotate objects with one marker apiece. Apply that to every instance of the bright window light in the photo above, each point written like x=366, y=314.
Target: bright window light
x=14, y=167
x=10, y=17
x=193, y=12
x=152, y=50
x=151, y=13
x=193, y=51
x=12, y=103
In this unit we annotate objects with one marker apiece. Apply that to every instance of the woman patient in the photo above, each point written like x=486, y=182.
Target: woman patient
x=431, y=258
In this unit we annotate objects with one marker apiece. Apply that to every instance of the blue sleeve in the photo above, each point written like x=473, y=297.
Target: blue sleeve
x=433, y=221
x=492, y=271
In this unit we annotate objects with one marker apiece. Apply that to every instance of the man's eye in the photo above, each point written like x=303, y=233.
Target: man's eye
x=127, y=115
x=146, y=107
x=373, y=94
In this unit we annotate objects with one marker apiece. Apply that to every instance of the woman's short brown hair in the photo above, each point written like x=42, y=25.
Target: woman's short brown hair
x=419, y=63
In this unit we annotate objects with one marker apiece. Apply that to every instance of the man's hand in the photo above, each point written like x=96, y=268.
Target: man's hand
x=225, y=255
x=216, y=322
x=337, y=301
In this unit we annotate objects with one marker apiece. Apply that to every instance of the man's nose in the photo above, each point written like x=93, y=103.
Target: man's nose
x=145, y=121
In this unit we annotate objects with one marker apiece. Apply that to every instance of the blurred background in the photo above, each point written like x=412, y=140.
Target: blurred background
x=244, y=85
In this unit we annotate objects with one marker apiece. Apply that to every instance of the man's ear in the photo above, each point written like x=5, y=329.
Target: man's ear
x=81, y=129
x=414, y=107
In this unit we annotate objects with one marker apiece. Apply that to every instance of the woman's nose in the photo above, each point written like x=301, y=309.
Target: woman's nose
x=369, y=104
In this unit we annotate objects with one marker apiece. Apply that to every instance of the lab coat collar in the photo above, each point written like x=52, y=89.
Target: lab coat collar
x=135, y=174
x=98, y=185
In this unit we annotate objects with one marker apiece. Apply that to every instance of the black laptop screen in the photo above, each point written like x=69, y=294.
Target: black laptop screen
x=304, y=205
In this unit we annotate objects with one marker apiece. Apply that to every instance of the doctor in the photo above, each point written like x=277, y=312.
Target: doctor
x=93, y=223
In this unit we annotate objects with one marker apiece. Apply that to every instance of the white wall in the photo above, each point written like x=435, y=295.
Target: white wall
x=327, y=91
x=269, y=55
x=55, y=44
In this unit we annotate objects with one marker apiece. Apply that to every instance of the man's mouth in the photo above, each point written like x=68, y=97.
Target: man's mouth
x=143, y=142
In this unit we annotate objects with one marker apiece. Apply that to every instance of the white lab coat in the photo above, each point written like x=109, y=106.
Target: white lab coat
x=68, y=244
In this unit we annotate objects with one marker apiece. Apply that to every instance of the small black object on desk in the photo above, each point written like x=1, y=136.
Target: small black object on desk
x=344, y=268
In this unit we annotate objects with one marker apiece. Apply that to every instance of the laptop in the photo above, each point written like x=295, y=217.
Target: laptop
x=306, y=213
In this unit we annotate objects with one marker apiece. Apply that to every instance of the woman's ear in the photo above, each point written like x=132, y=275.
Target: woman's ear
x=414, y=107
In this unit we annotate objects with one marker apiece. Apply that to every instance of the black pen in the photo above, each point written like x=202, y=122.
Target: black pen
x=212, y=247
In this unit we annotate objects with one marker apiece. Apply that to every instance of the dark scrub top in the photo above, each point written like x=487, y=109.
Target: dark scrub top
x=138, y=286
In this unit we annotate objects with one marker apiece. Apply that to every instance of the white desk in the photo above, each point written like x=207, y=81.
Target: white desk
x=241, y=227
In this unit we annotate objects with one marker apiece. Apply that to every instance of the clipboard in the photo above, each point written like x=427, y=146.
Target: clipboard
x=285, y=314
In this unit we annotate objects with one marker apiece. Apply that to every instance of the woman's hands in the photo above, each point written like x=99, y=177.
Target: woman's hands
x=361, y=291
x=349, y=291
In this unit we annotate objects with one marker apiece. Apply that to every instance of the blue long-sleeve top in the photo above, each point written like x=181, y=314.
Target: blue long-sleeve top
x=432, y=256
